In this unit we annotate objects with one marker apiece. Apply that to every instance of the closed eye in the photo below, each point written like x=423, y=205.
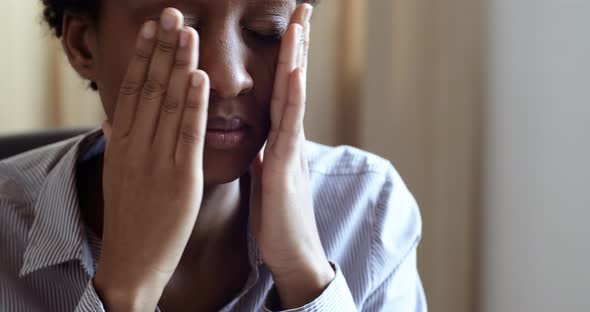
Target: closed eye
x=268, y=36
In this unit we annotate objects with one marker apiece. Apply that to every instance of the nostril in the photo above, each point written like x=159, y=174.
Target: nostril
x=244, y=92
x=215, y=95
x=229, y=80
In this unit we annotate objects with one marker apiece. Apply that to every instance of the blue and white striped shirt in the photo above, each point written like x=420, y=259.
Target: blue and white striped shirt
x=368, y=222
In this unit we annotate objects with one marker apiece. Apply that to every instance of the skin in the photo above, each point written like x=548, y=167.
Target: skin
x=171, y=206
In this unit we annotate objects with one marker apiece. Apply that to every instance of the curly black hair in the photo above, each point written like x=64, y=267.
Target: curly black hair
x=54, y=10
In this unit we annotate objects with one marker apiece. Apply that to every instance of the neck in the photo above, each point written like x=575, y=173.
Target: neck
x=222, y=217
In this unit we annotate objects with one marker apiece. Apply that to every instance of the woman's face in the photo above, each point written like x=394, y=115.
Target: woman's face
x=239, y=45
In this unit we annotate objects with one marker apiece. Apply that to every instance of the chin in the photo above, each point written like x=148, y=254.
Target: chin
x=221, y=167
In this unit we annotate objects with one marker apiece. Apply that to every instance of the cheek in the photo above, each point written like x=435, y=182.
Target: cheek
x=262, y=67
x=116, y=53
x=262, y=70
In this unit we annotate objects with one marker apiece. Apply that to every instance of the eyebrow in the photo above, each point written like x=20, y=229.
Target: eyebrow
x=277, y=11
x=144, y=6
x=272, y=9
x=272, y=5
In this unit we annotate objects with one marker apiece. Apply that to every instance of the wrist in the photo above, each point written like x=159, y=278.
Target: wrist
x=120, y=292
x=303, y=285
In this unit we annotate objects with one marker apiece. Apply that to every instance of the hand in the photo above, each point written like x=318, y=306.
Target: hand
x=153, y=175
x=281, y=203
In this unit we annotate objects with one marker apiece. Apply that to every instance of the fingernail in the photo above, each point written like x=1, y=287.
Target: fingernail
x=149, y=30
x=184, y=36
x=168, y=20
x=196, y=80
x=308, y=11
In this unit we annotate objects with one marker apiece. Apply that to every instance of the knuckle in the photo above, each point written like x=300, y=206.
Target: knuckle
x=283, y=63
x=142, y=56
x=170, y=105
x=181, y=63
x=193, y=105
x=153, y=89
x=190, y=136
x=164, y=46
x=130, y=88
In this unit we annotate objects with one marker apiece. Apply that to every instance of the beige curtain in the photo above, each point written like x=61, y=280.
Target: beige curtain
x=39, y=90
x=401, y=78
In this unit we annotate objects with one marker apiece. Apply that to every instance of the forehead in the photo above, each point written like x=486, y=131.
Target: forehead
x=274, y=6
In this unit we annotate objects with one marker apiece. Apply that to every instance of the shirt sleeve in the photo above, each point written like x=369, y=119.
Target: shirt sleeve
x=335, y=298
x=400, y=291
x=90, y=302
x=397, y=231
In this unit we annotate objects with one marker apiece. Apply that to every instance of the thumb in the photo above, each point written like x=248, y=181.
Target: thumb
x=107, y=130
x=256, y=191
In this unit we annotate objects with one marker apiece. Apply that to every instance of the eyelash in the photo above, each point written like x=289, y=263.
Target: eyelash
x=270, y=38
x=267, y=38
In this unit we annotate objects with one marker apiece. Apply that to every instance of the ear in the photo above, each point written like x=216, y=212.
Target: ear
x=79, y=41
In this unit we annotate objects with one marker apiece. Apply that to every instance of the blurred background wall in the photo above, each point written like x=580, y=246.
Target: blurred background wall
x=482, y=105
x=536, y=209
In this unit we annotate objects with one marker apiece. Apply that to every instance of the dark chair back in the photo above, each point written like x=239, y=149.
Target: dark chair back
x=11, y=145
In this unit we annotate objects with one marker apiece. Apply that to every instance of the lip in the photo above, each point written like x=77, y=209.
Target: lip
x=225, y=124
x=225, y=133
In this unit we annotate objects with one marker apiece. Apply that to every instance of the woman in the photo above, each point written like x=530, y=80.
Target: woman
x=200, y=192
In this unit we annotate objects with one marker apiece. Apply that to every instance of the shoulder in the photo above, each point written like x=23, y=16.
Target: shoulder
x=21, y=176
x=359, y=172
x=343, y=160
x=361, y=196
x=370, y=184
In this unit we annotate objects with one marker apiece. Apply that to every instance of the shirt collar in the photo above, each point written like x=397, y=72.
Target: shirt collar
x=57, y=233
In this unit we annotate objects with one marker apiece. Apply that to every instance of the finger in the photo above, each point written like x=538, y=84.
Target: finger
x=286, y=64
x=158, y=75
x=124, y=114
x=191, y=138
x=289, y=136
x=186, y=61
x=307, y=11
x=306, y=41
x=289, y=57
x=302, y=14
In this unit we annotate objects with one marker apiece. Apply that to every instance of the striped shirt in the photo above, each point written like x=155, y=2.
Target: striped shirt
x=368, y=221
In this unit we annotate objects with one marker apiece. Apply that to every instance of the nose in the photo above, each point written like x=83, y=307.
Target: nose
x=223, y=58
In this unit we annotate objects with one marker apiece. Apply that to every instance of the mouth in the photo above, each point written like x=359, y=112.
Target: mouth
x=225, y=133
